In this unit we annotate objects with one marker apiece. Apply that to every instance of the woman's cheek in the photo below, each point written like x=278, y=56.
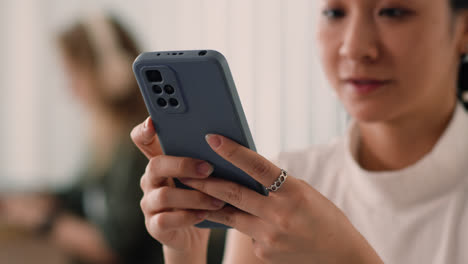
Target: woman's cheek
x=328, y=52
x=331, y=65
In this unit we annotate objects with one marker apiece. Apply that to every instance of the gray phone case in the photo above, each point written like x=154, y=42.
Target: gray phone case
x=206, y=101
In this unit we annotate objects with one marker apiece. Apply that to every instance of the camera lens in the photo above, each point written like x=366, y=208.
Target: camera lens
x=169, y=89
x=157, y=89
x=154, y=76
x=162, y=102
x=173, y=102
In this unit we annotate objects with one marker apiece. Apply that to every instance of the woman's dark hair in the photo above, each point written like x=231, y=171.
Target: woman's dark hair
x=462, y=91
x=77, y=45
x=459, y=4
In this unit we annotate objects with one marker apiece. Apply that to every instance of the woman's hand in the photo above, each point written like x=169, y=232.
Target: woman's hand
x=171, y=213
x=26, y=211
x=295, y=224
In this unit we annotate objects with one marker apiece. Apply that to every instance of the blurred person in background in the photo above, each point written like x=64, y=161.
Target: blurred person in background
x=98, y=219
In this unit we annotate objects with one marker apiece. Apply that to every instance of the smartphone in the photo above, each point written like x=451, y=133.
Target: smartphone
x=189, y=94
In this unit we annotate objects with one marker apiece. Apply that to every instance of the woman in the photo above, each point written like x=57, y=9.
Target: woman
x=393, y=190
x=97, y=55
x=98, y=219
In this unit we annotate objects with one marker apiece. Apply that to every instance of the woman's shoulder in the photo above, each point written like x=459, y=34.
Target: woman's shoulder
x=314, y=163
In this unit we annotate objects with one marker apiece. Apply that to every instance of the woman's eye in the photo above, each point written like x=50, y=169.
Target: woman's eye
x=394, y=12
x=333, y=13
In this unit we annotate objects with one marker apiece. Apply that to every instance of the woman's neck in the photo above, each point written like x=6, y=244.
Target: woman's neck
x=106, y=130
x=400, y=143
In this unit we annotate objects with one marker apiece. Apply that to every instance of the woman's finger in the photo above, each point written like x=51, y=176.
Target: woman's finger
x=245, y=159
x=232, y=193
x=161, y=223
x=145, y=138
x=162, y=167
x=168, y=198
x=235, y=218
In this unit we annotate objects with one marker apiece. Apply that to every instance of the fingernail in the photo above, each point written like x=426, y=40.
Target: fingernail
x=213, y=140
x=218, y=203
x=148, y=137
x=204, y=168
x=145, y=125
x=201, y=214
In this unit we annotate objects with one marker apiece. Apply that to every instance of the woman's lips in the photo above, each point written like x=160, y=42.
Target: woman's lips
x=364, y=86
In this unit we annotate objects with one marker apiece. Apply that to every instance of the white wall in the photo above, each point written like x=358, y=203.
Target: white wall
x=269, y=44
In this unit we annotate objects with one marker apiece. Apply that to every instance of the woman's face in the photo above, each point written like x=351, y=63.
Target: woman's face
x=81, y=83
x=391, y=58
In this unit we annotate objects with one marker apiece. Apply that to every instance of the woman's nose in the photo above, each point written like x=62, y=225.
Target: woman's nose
x=360, y=41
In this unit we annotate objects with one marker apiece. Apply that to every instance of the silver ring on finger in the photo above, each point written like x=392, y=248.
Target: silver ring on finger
x=279, y=181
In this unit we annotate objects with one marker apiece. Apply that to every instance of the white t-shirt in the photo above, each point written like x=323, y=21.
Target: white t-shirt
x=418, y=214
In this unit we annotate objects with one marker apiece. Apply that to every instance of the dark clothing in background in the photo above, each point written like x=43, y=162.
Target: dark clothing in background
x=110, y=199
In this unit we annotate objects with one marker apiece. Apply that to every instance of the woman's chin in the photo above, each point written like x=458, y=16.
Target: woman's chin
x=367, y=112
